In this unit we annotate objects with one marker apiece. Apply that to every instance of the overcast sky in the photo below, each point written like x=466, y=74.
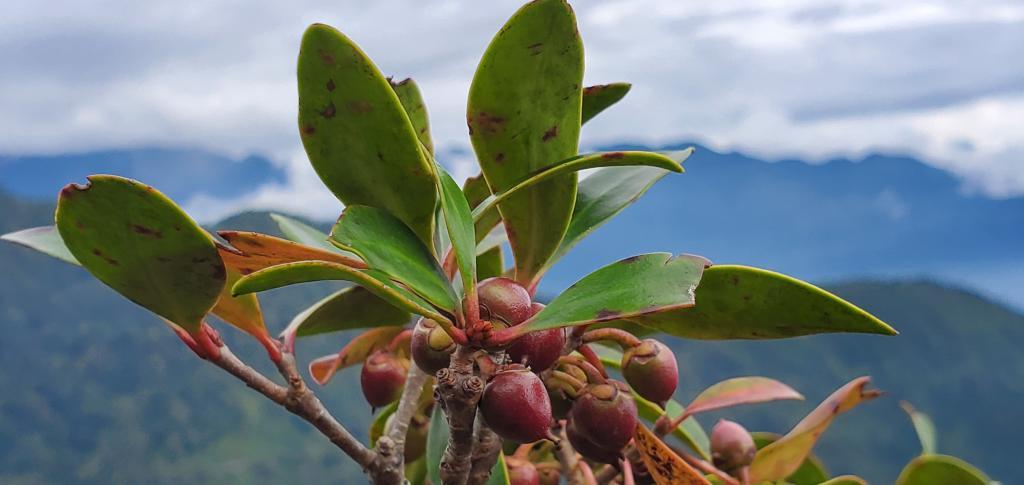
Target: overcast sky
x=817, y=78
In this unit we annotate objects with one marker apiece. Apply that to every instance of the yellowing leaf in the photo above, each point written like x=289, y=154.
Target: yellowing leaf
x=664, y=465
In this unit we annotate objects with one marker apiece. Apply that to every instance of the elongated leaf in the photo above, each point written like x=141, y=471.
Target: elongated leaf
x=811, y=472
x=741, y=390
x=308, y=271
x=437, y=441
x=781, y=458
x=389, y=246
x=412, y=101
x=924, y=427
x=689, y=431
x=354, y=352
x=138, y=242
x=740, y=302
x=477, y=191
x=524, y=114
x=941, y=470
x=490, y=264
x=845, y=480
x=602, y=96
x=602, y=196
x=357, y=134
x=347, y=309
x=460, y=230
x=303, y=233
x=44, y=239
x=256, y=251
x=664, y=465
x=499, y=474
x=380, y=421
x=582, y=162
x=638, y=285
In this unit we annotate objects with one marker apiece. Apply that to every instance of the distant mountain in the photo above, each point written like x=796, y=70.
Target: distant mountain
x=179, y=173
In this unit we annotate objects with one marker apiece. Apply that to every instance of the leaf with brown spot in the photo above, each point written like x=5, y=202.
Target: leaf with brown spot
x=664, y=465
x=354, y=352
x=781, y=458
x=741, y=390
x=412, y=101
x=600, y=97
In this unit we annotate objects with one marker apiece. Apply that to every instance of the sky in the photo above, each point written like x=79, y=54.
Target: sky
x=774, y=78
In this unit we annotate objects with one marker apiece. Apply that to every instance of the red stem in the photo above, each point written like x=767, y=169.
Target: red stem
x=588, y=353
x=593, y=375
x=619, y=336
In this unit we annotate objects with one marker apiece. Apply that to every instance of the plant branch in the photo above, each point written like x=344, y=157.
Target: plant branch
x=568, y=459
x=458, y=391
x=407, y=407
x=486, y=448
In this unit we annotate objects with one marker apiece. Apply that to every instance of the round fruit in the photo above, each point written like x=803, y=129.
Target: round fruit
x=538, y=350
x=650, y=369
x=503, y=299
x=382, y=378
x=515, y=405
x=431, y=346
x=521, y=472
x=589, y=449
x=605, y=415
x=732, y=447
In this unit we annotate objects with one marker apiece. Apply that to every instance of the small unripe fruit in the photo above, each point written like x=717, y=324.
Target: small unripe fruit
x=605, y=415
x=589, y=449
x=550, y=476
x=732, y=447
x=538, y=350
x=515, y=405
x=431, y=346
x=651, y=370
x=382, y=378
x=503, y=299
x=521, y=472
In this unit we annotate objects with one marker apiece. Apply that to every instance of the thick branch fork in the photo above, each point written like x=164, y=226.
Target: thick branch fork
x=458, y=391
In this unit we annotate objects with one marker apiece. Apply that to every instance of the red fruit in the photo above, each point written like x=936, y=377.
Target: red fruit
x=732, y=447
x=431, y=346
x=588, y=448
x=550, y=476
x=538, y=350
x=383, y=378
x=515, y=405
x=521, y=472
x=650, y=369
x=605, y=415
x=503, y=299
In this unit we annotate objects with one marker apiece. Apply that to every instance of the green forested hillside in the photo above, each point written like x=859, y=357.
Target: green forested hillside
x=94, y=390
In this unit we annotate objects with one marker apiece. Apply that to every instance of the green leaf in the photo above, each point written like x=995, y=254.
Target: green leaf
x=356, y=351
x=437, y=441
x=496, y=238
x=380, y=421
x=347, y=309
x=44, y=239
x=584, y=162
x=357, y=134
x=307, y=271
x=783, y=457
x=741, y=390
x=459, y=223
x=811, y=472
x=303, y=233
x=389, y=246
x=635, y=286
x=490, y=264
x=602, y=196
x=499, y=474
x=412, y=101
x=524, y=114
x=844, y=480
x=689, y=431
x=740, y=302
x=924, y=427
x=941, y=470
x=138, y=242
x=477, y=191
x=600, y=97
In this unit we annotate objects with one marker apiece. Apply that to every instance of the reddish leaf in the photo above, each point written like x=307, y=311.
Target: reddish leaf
x=352, y=353
x=255, y=251
x=741, y=390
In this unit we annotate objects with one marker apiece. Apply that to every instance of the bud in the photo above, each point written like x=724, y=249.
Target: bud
x=503, y=299
x=605, y=415
x=650, y=369
x=382, y=378
x=538, y=350
x=431, y=346
x=521, y=472
x=732, y=447
x=515, y=405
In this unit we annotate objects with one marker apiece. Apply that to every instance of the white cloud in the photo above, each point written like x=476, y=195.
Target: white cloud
x=777, y=78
